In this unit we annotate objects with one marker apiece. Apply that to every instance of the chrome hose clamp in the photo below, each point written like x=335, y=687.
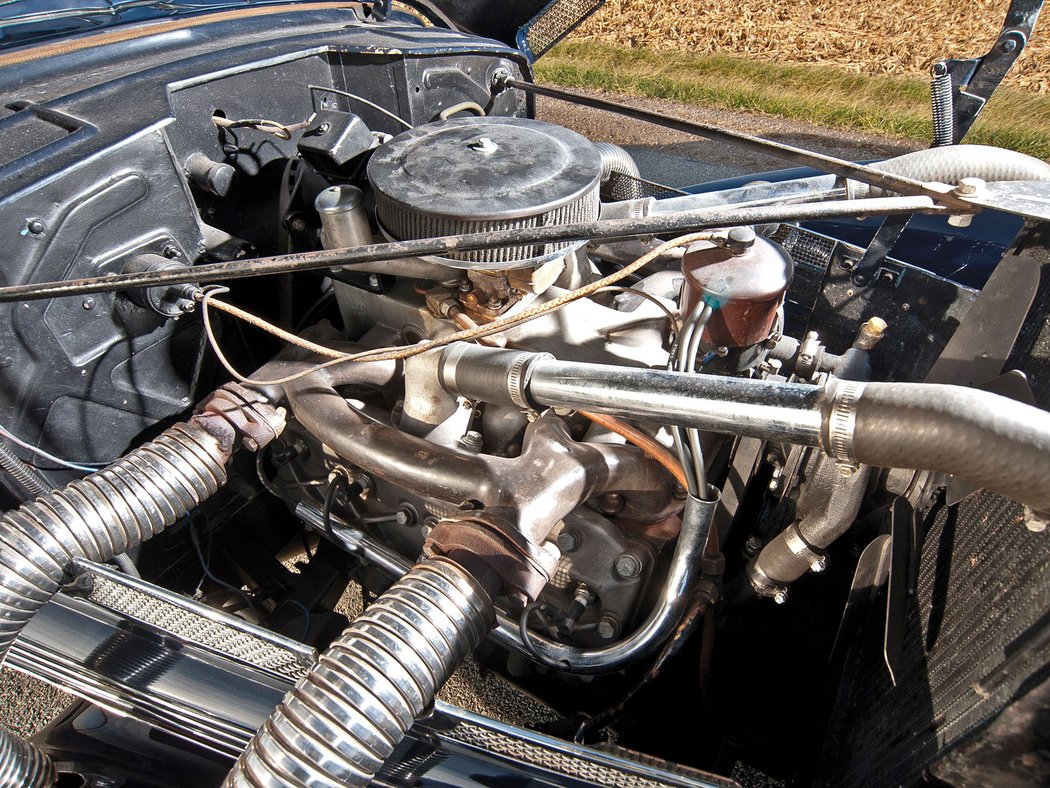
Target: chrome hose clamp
x=518, y=377
x=797, y=544
x=841, y=420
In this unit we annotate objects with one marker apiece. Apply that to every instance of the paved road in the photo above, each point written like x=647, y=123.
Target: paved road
x=676, y=159
x=663, y=156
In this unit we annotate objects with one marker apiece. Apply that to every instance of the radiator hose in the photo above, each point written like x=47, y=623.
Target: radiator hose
x=951, y=163
x=345, y=717
x=995, y=442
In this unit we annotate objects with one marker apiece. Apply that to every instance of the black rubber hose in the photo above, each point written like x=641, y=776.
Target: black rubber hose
x=987, y=439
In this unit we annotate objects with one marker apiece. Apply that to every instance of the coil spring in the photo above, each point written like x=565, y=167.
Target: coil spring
x=22, y=765
x=943, y=106
x=100, y=516
x=343, y=719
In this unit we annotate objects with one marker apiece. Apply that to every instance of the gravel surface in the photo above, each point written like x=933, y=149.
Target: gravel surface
x=27, y=705
x=664, y=156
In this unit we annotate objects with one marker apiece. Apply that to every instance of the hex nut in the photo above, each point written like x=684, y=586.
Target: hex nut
x=608, y=627
x=567, y=541
x=471, y=441
x=628, y=566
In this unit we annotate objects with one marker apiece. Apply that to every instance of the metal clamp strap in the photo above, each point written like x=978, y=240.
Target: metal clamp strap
x=842, y=419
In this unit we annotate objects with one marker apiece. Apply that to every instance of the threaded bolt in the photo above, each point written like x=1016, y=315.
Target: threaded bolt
x=567, y=541
x=752, y=546
x=628, y=566
x=608, y=627
x=470, y=441
x=781, y=596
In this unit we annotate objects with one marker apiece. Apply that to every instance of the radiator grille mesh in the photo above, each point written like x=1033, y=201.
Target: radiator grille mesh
x=552, y=23
x=983, y=585
x=978, y=631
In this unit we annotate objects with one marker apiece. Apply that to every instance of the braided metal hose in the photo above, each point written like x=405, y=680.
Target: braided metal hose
x=619, y=175
x=102, y=515
x=25, y=476
x=22, y=765
x=343, y=719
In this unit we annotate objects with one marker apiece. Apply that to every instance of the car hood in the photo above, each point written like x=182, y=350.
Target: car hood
x=532, y=26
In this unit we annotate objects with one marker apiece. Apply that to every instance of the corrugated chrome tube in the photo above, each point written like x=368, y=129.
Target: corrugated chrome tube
x=100, y=516
x=22, y=765
x=343, y=719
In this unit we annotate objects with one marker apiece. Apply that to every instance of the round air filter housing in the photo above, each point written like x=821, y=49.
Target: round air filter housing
x=478, y=174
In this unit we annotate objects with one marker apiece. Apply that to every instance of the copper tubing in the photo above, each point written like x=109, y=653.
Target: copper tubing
x=634, y=435
x=467, y=323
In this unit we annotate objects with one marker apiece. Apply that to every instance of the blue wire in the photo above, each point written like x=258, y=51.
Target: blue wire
x=87, y=468
x=210, y=575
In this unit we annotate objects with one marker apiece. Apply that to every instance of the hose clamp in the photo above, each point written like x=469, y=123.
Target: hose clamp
x=762, y=584
x=842, y=418
x=518, y=378
x=450, y=357
x=799, y=547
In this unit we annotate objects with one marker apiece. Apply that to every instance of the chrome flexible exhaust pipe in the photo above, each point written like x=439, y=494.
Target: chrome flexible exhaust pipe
x=345, y=717
x=109, y=513
x=116, y=509
x=22, y=765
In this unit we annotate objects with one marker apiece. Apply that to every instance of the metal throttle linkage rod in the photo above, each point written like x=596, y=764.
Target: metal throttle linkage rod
x=605, y=229
x=779, y=150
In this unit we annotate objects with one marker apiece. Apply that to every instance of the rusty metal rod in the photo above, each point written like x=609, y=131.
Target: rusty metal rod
x=779, y=150
x=368, y=256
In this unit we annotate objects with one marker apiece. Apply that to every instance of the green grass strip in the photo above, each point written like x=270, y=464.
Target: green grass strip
x=824, y=95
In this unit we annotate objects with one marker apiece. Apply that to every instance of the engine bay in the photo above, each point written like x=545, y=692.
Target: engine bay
x=652, y=481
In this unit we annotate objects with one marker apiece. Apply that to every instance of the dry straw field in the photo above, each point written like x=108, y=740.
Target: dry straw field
x=899, y=37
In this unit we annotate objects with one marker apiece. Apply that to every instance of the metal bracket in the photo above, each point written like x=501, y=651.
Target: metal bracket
x=906, y=538
x=872, y=264
x=982, y=343
x=975, y=79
